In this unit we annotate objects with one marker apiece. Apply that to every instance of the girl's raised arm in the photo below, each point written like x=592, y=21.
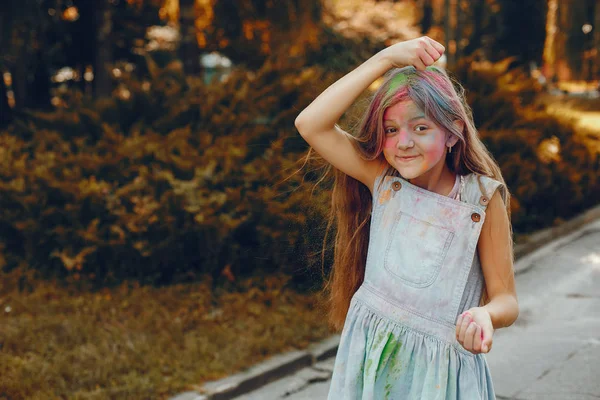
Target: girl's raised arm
x=317, y=122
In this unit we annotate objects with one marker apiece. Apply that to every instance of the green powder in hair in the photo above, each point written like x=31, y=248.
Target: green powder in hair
x=396, y=81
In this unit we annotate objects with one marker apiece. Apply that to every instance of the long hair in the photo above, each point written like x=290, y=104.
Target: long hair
x=442, y=100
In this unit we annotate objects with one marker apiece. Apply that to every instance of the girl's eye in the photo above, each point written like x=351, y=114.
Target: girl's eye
x=420, y=128
x=389, y=130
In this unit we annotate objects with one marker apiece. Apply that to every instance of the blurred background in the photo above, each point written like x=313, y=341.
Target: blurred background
x=158, y=226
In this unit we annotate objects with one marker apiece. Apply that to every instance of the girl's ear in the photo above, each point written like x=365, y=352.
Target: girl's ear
x=460, y=126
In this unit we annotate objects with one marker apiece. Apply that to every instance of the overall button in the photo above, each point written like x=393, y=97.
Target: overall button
x=396, y=185
x=476, y=217
x=483, y=200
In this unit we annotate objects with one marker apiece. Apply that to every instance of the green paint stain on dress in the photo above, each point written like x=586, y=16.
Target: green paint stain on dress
x=388, y=357
x=389, y=348
x=388, y=388
x=390, y=352
x=368, y=372
x=368, y=365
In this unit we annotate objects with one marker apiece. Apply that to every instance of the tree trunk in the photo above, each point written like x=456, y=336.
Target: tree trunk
x=589, y=42
x=20, y=78
x=188, y=48
x=478, y=7
x=549, y=56
x=103, y=57
x=521, y=30
x=569, y=39
x=39, y=87
x=576, y=38
x=449, y=34
x=427, y=20
x=460, y=21
x=5, y=110
x=596, y=31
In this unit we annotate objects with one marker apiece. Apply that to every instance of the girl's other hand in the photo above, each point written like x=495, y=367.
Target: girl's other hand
x=474, y=330
x=420, y=53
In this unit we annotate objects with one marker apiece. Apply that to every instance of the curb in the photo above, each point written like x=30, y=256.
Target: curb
x=265, y=372
x=288, y=363
x=550, y=238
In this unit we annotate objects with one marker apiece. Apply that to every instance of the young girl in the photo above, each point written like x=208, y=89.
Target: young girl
x=423, y=265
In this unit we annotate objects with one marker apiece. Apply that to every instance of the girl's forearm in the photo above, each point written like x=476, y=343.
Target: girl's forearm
x=326, y=110
x=503, y=309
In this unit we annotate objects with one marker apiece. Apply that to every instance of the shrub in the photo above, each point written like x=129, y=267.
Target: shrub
x=116, y=189
x=170, y=178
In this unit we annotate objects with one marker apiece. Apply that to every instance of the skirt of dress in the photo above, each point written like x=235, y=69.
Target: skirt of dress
x=381, y=359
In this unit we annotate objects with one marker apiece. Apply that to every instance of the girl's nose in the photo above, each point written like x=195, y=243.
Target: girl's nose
x=404, y=139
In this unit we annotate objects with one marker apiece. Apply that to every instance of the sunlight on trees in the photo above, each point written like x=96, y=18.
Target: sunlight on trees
x=549, y=54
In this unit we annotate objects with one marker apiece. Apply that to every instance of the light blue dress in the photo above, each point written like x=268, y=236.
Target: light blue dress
x=422, y=271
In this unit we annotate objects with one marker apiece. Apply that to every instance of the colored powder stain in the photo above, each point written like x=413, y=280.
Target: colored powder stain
x=396, y=82
x=385, y=196
x=369, y=363
x=393, y=364
x=388, y=388
x=388, y=357
x=390, y=143
x=447, y=211
x=389, y=347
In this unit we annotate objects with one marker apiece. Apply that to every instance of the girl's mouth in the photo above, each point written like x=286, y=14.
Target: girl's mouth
x=406, y=159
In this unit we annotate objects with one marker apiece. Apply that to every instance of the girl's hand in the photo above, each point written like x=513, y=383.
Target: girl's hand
x=420, y=53
x=474, y=330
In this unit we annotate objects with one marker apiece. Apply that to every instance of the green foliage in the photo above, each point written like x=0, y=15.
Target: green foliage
x=172, y=178
x=164, y=180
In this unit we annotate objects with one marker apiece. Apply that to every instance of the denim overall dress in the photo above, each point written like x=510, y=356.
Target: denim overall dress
x=422, y=271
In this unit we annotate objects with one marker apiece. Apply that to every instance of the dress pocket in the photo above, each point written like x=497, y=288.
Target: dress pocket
x=416, y=250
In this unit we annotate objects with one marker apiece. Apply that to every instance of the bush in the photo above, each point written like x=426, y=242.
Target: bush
x=120, y=189
x=172, y=178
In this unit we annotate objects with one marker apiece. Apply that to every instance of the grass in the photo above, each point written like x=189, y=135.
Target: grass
x=142, y=342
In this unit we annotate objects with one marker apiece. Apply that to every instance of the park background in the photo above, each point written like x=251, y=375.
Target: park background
x=158, y=226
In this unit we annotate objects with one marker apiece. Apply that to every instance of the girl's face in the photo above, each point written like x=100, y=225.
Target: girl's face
x=413, y=144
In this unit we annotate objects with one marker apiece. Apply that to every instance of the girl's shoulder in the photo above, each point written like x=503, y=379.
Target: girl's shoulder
x=478, y=189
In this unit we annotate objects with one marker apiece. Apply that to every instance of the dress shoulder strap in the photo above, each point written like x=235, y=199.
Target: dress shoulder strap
x=479, y=189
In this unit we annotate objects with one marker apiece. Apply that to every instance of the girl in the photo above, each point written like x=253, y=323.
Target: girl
x=423, y=264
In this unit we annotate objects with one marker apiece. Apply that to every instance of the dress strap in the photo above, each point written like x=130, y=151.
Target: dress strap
x=479, y=189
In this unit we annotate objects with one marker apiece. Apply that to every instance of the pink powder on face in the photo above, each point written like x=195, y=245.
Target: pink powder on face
x=397, y=114
x=433, y=147
x=390, y=143
x=430, y=145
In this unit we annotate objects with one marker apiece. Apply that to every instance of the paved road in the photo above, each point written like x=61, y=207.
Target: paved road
x=552, y=352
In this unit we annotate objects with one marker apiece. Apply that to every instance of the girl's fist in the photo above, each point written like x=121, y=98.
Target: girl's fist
x=420, y=53
x=474, y=330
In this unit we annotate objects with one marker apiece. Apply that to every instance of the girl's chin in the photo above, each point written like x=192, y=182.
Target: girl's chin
x=412, y=171
x=408, y=175
x=409, y=167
